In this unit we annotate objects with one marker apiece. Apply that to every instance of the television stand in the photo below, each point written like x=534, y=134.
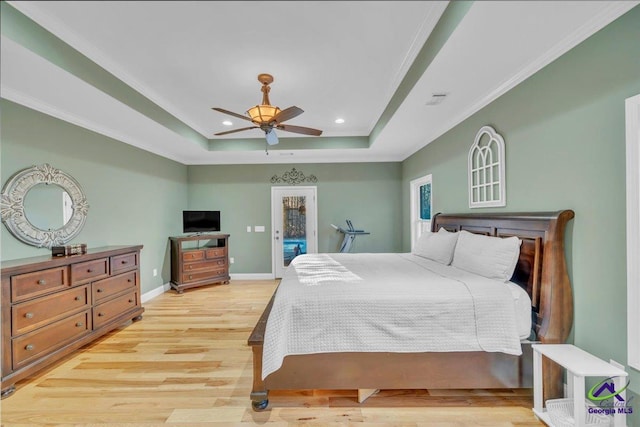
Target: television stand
x=193, y=265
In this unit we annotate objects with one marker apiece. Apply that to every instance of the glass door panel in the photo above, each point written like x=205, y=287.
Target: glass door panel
x=294, y=227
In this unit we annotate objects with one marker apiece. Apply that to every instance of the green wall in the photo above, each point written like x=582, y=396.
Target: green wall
x=564, y=132
x=366, y=193
x=135, y=197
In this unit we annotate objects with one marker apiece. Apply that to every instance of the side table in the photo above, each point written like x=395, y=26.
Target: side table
x=579, y=365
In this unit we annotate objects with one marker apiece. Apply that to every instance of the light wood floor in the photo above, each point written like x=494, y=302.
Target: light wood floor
x=187, y=363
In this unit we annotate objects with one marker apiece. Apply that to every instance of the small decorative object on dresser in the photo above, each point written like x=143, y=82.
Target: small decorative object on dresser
x=52, y=306
x=194, y=265
x=68, y=250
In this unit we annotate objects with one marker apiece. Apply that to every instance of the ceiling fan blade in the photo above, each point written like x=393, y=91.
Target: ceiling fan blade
x=287, y=114
x=300, y=129
x=235, y=130
x=231, y=113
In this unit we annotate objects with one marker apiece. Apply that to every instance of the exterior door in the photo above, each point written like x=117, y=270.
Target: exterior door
x=294, y=223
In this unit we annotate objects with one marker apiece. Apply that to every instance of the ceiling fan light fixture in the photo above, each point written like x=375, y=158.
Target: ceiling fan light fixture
x=263, y=113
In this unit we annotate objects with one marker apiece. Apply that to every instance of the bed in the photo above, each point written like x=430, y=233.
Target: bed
x=540, y=271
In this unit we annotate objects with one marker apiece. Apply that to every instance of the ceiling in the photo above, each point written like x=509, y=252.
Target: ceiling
x=376, y=64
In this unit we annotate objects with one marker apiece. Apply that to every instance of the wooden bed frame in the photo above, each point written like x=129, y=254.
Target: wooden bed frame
x=541, y=271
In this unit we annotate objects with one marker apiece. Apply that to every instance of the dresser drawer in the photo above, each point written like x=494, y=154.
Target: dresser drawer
x=31, y=346
x=204, y=265
x=216, y=252
x=105, y=288
x=29, y=285
x=44, y=310
x=202, y=275
x=103, y=313
x=91, y=270
x=124, y=262
x=193, y=256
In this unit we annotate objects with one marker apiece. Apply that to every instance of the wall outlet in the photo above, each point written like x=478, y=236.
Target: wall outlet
x=155, y=272
x=231, y=260
x=248, y=229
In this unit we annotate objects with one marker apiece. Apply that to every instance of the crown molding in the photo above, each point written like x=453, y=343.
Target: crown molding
x=87, y=49
x=613, y=11
x=28, y=101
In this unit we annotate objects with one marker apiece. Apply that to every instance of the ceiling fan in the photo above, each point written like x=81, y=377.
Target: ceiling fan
x=268, y=117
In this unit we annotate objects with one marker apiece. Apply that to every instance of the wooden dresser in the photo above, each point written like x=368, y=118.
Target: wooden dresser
x=51, y=306
x=194, y=265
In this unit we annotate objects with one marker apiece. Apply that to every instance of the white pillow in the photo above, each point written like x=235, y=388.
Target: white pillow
x=436, y=246
x=492, y=257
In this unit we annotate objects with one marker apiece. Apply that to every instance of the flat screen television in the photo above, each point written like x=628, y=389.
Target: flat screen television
x=200, y=221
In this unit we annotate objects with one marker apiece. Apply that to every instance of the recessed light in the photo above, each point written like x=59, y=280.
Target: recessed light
x=227, y=123
x=339, y=121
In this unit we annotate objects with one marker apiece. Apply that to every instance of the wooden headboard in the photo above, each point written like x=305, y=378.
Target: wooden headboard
x=541, y=268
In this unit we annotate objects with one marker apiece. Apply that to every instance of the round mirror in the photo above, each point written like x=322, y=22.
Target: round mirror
x=43, y=206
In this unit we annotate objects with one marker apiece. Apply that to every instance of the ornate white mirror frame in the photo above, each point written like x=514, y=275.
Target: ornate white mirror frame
x=13, y=212
x=487, y=180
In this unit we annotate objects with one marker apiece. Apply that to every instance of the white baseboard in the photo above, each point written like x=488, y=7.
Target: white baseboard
x=252, y=276
x=147, y=296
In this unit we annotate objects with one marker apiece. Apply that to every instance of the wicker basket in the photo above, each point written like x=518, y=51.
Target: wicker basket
x=561, y=414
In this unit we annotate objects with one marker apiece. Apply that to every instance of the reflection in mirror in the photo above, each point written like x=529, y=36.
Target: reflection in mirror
x=44, y=206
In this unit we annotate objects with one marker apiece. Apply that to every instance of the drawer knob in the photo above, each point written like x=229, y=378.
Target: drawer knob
x=190, y=267
x=29, y=347
x=79, y=324
x=190, y=277
x=42, y=282
x=77, y=298
x=100, y=314
x=99, y=290
x=124, y=262
x=89, y=270
x=129, y=280
x=29, y=315
x=130, y=300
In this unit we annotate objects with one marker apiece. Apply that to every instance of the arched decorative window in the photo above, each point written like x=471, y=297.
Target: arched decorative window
x=486, y=170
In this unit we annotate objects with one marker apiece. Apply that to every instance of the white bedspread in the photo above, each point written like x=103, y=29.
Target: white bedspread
x=386, y=303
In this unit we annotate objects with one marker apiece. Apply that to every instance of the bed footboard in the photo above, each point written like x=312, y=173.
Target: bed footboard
x=259, y=393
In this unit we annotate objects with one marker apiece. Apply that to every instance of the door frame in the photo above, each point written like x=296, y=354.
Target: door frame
x=314, y=243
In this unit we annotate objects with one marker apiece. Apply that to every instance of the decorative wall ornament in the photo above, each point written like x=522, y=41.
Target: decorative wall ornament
x=12, y=206
x=487, y=182
x=293, y=177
